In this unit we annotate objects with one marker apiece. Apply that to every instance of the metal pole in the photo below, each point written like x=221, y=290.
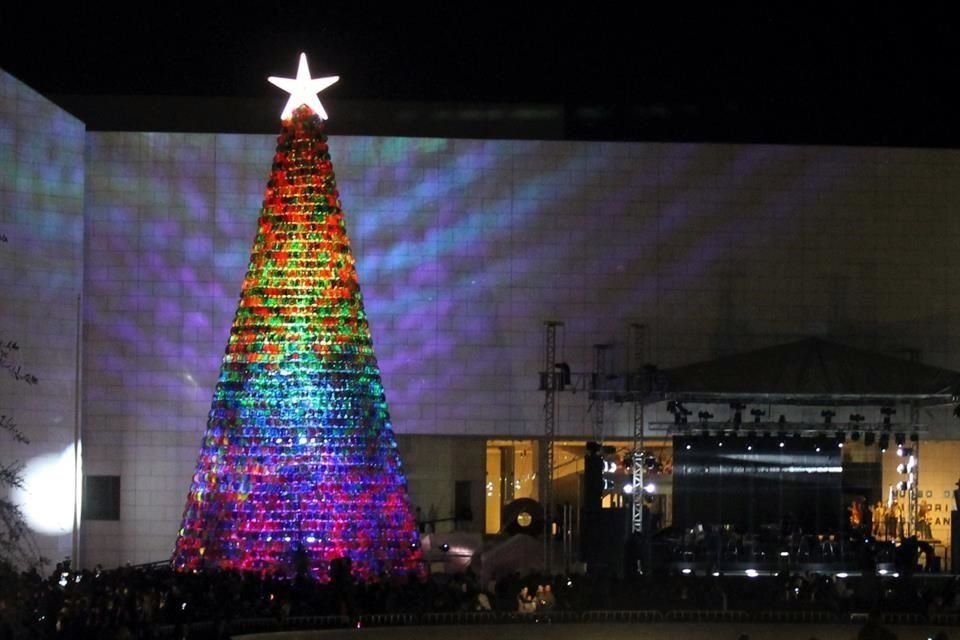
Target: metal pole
x=549, y=431
x=637, y=389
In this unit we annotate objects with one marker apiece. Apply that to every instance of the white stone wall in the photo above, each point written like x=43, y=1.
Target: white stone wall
x=41, y=273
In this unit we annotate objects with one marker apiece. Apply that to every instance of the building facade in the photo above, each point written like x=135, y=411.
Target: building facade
x=126, y=251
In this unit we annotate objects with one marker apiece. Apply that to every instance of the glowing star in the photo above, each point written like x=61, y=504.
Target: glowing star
x=303, y=90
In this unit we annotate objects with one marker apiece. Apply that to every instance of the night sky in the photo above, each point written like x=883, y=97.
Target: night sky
x=815, y=74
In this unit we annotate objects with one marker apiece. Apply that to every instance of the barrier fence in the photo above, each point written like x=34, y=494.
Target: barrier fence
x=262, y=625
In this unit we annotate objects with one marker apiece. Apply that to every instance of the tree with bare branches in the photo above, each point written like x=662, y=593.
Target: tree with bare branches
x=17, y=547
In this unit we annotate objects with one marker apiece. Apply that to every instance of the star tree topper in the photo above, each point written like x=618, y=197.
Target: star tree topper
x=303, y=89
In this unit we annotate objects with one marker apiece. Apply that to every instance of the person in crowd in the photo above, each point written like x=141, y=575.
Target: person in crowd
x=525, y=601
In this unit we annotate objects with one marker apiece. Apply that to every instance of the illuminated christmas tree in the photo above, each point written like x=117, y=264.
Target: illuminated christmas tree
x=299, y=464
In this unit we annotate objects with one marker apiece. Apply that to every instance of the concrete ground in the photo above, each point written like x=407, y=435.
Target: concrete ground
x=638, y=631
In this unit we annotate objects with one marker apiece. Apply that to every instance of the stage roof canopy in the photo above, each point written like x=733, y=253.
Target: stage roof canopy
x=811, y=371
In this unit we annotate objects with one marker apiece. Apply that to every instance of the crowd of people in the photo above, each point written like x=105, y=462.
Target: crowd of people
x=132, y=603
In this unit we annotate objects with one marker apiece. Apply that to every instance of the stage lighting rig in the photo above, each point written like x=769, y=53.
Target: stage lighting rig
x=856, y=419
x=907, y=469
x=679, y=412
x=737, y=419
x=887, y=412
x=564, y=377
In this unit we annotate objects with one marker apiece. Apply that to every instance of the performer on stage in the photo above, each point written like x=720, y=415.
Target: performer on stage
x=879, y=520
x=894, y=521
x=923, y=521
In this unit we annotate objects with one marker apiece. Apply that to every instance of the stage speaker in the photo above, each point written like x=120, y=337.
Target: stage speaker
x=603, y=536
x=593, y=478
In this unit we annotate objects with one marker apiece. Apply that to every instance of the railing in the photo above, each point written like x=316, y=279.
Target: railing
x=706, y=615
x=798, y=616
x=260, y=625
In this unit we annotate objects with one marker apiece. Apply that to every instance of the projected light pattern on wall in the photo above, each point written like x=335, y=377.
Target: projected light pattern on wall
x=299, y=462
x=41, y=271
x=464, y=247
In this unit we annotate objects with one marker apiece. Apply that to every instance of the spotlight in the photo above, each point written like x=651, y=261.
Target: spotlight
x=884, y=441
x=902, y=485
x=887, y=412
x=828, y=416
x=704, y=416
x=757, y=414
x=444, y=547
x=901, y=468
x=738, y=408
x=782, y=420
x=841, y=436
x=628, y=488
x=900, y=439
x=869, y=438
x=855, y=436
x=914, y=437
x=564, y=378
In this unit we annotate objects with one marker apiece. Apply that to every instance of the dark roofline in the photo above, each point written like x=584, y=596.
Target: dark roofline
x=703, y=122
x=347, y=117
x=811, y=371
